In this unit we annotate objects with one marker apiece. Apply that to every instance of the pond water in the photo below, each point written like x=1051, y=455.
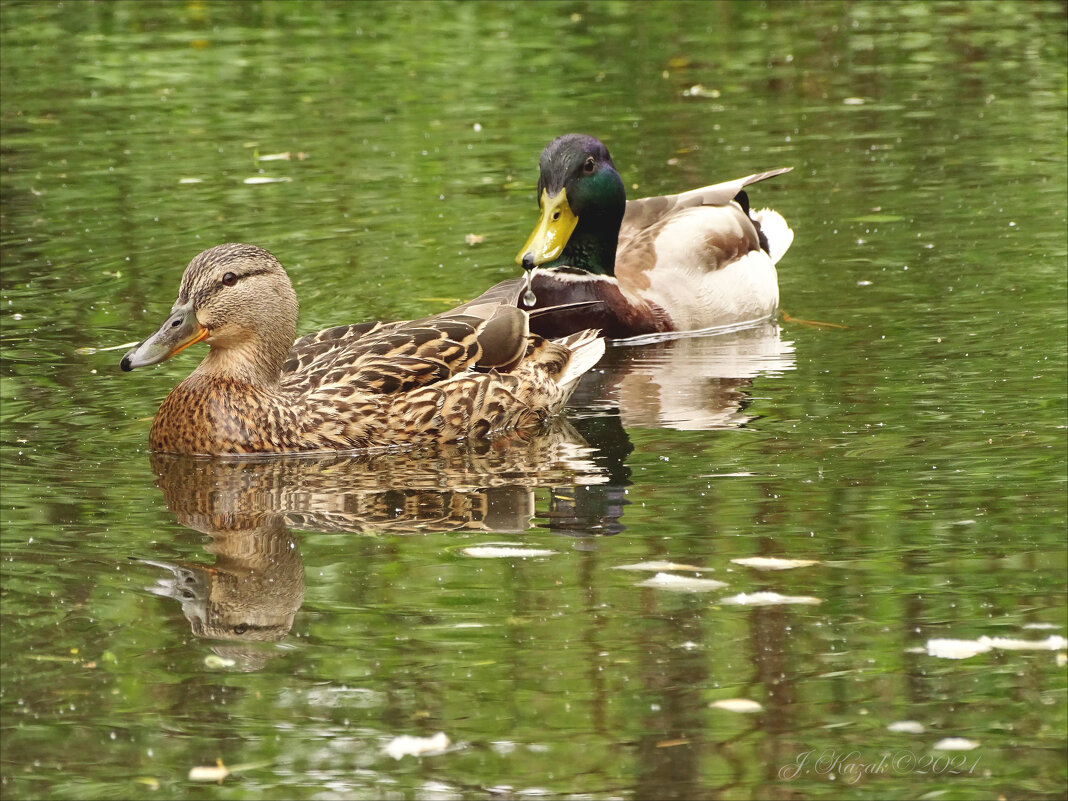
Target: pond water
x=898, y=435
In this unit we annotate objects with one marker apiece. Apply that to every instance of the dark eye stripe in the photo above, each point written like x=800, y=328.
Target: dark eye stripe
x=238, y=277
x=201, y=296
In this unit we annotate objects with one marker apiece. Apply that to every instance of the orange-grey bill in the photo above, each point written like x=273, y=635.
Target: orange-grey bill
x=181, y=330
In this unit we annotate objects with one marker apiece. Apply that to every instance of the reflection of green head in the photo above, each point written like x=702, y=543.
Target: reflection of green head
x=582, y=200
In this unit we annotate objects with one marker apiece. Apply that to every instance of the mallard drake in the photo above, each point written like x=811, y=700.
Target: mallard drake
x=671, y=263
x=475, y=371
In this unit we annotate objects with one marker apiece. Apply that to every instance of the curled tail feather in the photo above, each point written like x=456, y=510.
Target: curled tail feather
x=587, y=348
x=778, y=234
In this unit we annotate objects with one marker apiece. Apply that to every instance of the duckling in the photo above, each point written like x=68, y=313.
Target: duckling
x=473, y=372
x=671, y=263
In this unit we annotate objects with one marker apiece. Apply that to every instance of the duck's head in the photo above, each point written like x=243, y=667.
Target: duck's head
x=239, y=300
x=582, y=200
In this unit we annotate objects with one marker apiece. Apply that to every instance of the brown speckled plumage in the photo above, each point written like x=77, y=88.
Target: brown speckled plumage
x=473, y=372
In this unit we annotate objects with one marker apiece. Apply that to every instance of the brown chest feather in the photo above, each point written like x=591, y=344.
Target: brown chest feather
x=614, y=314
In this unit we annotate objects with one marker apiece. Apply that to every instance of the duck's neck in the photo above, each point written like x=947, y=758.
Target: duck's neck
x=599, y=202
x=254, y=361
x=590, y=248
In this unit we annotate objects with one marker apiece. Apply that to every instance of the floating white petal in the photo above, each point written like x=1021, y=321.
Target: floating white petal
x=406, y=745
x=769, y=599
x=956, y=649
x=667, y=581
x=1052, y=643
x=963, y=649
x=504, y=552
x=955, y=744
x=658, y=566
x=907, y=727
x=771, y=563
x=742, y=705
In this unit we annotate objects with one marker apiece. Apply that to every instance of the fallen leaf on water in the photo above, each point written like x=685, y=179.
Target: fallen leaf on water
x=406, y=745
x=771, y=563
x=263, y=179
x=769, y=599
x=741, y=705
x=815, y=323
x=474, y=239
x=658, y=566
x=209, y=773
x=148, y=781
x=878, y=218
x=215, y=661
x=219, y=771
x=70, y=660
x=87, y=351
x=672, y=743
x=667, y=581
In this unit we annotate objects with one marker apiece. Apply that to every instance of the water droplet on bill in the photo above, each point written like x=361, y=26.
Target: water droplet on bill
x=529, y=298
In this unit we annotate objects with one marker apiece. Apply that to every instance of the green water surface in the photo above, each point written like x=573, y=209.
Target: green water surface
x=292, y=617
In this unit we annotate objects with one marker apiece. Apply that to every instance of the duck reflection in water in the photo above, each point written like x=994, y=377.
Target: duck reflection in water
x=697, y=381
x=248, y=507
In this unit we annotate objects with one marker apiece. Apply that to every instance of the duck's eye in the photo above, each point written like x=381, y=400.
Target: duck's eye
x=589, y=165
x=229, y=279
x=240, y=629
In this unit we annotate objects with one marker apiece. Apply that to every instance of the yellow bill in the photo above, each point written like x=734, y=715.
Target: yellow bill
x=554, y=228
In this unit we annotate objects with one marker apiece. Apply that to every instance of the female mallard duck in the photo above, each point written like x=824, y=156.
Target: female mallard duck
x=671, y=263
x=475, y=371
